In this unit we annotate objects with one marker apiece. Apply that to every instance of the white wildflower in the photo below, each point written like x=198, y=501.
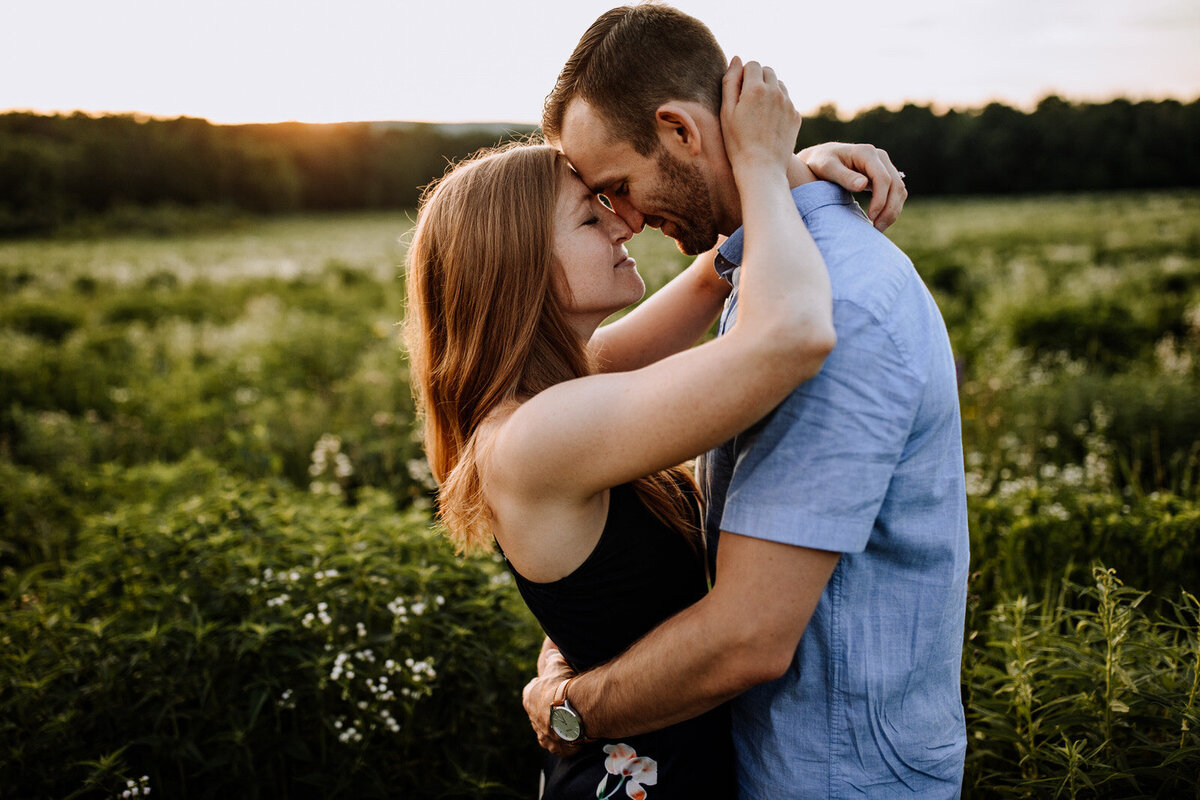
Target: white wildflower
x=1072, y=475
x=1172, y=359
x=339, y=666
x=1057, y=511
x=1101, y=416
x=977, y=484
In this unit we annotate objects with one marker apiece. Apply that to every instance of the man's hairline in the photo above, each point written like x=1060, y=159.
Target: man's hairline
x=556, y=142
x=557, y=145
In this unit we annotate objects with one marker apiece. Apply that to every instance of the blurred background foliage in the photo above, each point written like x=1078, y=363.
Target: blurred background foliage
x=80, y=173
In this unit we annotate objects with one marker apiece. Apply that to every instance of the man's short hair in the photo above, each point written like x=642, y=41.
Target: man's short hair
x=631, y=61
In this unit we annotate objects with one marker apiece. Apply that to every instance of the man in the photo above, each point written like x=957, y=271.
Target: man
x=836, y=614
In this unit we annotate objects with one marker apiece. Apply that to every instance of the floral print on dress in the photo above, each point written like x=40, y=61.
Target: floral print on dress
x=632, y=769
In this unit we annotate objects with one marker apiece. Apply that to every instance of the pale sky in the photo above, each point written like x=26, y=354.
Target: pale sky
x=471, y=60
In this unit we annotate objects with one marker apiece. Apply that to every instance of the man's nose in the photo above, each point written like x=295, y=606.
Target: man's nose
x=625, y=210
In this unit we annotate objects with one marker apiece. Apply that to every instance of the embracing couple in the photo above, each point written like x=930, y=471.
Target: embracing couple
x=787, y=622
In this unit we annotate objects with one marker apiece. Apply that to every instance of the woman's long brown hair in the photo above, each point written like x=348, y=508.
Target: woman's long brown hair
x=485, y=327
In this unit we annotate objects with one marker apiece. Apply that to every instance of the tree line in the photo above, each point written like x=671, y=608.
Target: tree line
x=58, y=169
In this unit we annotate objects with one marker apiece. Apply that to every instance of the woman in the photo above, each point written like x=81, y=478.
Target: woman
x=560, y=439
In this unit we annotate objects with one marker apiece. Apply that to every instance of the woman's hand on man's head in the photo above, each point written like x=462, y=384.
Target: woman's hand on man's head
x=861, y=168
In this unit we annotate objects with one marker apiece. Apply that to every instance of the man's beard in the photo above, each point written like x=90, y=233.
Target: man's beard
x=684, y=192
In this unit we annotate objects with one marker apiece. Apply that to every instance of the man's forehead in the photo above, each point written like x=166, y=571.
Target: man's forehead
x=599, y=158
x=596, y=178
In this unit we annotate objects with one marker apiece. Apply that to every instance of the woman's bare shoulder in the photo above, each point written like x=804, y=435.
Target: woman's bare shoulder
x=545, y=536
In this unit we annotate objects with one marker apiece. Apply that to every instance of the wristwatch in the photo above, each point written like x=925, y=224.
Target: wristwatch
x=564, y=719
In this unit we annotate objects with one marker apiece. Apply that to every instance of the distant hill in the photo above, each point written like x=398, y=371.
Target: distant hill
x=56, y=169
x=460, y=129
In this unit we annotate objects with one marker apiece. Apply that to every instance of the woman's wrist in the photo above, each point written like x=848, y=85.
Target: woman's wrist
x=759, y=175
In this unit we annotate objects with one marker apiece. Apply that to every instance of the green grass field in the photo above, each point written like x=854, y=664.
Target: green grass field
x=216, y=535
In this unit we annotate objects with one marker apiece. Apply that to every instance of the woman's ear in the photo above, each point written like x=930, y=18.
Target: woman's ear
x=678, y=129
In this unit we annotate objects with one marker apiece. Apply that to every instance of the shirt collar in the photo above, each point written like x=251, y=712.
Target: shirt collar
x=808, y=198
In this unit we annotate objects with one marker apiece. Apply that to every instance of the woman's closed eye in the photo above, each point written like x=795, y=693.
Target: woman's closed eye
x=592, y=221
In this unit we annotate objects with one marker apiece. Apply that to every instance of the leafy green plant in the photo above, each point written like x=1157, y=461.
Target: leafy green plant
x=1029, y=535
x=247, y=638
x=40, y=319
x=1083, y=695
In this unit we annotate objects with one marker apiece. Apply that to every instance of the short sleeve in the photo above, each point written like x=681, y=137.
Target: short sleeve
x=815, y=471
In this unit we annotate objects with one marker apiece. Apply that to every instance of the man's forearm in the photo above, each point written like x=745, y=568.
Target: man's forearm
x=742, y=633
x=691, y=663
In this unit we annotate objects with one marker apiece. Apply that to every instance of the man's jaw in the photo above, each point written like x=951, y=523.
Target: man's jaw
x=682, y=234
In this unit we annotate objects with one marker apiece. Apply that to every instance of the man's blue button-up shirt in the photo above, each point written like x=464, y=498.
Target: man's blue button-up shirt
x=864, y=459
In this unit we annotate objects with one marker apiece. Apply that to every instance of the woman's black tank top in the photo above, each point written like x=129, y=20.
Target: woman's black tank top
x=640, y=573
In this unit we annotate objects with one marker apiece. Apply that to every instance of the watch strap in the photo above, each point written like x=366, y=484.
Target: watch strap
x=560, y=699
x=560, y=693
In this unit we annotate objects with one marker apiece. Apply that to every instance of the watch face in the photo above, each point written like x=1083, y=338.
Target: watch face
x=564, y=723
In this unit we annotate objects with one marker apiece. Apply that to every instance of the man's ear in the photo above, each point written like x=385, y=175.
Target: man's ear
x=678, y=129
